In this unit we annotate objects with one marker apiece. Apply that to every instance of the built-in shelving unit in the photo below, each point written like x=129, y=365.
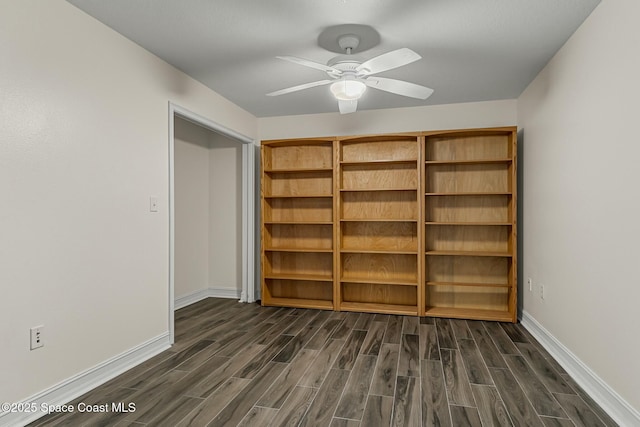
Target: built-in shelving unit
x=414, y=224
x=470, y=233
x=297, y=229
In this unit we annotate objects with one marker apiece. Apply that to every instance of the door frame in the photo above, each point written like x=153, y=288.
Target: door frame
x=248, y=293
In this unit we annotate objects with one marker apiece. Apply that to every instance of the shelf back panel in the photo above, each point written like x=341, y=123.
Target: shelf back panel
x=379, y=150
x=320, y=264
x=379, y=267
x=298, y=156
x=299, y=210
x=488, y=208
x=468, y=238
x=390, y=236
x=468, y=269
x=358, y=177
x=379, y=294
x=298, y=184
x=477, y=147
x=380, y=205
x=467, y=297
x=298, y=236
x=482, y=178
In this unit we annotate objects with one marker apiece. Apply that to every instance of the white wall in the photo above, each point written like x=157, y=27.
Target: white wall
x=83, y=144
x=435, y=117
x=581, y=204
x=191, y=175
x=225, y=216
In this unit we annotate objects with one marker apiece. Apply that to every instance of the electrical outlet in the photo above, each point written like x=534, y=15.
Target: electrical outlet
x=37, y=338
x=530, y=283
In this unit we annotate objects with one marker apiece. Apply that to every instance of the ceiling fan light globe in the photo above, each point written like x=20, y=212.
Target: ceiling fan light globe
x=348, y=90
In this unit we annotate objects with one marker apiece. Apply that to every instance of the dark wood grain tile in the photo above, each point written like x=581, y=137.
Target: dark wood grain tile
x=463, y=416
x=346, y=326
x=515, y=332
x=183, y=406
x=394, y=330
x=324, y=404
x=373, y=340
x=384, y=377
x=347, y=357
x=282, y=387
x=490, y=406
x=320, y=319
x=381, y=318
x=258, y=417
x=429, y=348
x=446, y=338
x=460, y=329
x=606, y=419
x=291, y=349
x=354, y=396
x=488, y=350
x=258, y=362
x=406, y=404
x=557, y=422
x=315, y=375
x=364, y=321
x=474, y=364
x=322, y=336
x=342, y=422
x=516, y=402
x=294, y=407
x=377, y=411
x=301, y=321
x=410, y=325
x=427, y=320
x=544, y=370
x=579, y=412
x=235, y=411
x=500, y=338
x=455, y=378
x=409, y=362
x=435, y=406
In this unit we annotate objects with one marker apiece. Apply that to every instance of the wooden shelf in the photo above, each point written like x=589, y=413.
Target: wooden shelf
x=482, y=224
x=298, y=196
x=301, y=303
x=470, y=194
x=305, y=277
x=377, y=190
x=299, y=170
x=393, y=282
x=306, y=250
x=367, y=307
x=377, y=251
x=469, y=162
x=378, y=220
x=480, y=285
x=298, y=222
x=470, y=253
x=379, y=162
x=470, y=313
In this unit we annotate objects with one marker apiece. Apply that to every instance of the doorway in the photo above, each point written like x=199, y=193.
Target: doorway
x=211, y=144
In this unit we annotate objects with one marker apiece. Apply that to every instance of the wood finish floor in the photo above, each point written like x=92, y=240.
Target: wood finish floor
x=244, y=365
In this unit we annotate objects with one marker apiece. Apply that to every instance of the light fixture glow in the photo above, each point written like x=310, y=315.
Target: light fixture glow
x=348, y=90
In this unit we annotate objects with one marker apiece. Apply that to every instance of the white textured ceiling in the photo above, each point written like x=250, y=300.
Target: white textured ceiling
x=473, y=50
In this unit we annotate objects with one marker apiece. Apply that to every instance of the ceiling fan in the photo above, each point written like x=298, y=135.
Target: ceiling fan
x=349, y=78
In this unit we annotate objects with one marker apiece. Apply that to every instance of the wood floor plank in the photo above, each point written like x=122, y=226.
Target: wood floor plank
x=321, y=410
x=322, y=336
x=342, y=422
x=488, y=350
x=377, y=411
x=315, y=375
x=579, y=412
x=500, y=338
x=294, y=407
x=394, y=330
x=406, y=404
x=544, y=370
x=409, y=362
x=256, y=364
x=215, y=403
x=347, y=357
x=542, y=400
x=354, y=396
x=516, y=402
x=291, y=349
x=235, y=411
x=410, y=325
x=429, y=349
x=300, y=322
x=556, y=422
x=435, y=406
x=184, y=405
x=460, y=329
x=258, y=417
x=373, y=340
x=455, y=378
x=282, y=387
x=446, y=338
x=364, y=321
x=474, y=364
x=490, y=406
x=384, y=376
x=604, y=417
x=515, y=333
x=346, y=326
x=463, y=416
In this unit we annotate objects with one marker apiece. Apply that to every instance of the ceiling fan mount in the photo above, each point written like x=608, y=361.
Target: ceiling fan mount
x=349, y=77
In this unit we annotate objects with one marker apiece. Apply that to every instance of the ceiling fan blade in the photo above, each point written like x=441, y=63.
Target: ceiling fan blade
x=388, y=61
x=399, y=87
x=347, y=107
x=310, y=64
x=300, y=87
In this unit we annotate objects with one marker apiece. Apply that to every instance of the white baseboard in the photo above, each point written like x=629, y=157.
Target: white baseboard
x=212, y=292
x=83, y=382
x=610, y=401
